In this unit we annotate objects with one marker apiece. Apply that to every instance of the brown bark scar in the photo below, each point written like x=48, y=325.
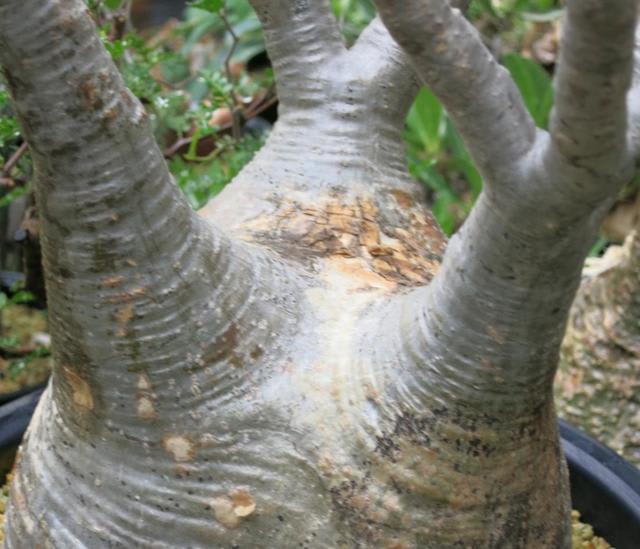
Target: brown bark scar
x=123, y=317
x=81, y=389
x=89, y=94
x=112, y=281
x=403, y=199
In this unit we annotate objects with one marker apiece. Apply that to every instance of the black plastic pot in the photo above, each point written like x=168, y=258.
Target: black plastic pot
x=15, y=416
x=604, y=487
x=8, y=279
x=14, y=420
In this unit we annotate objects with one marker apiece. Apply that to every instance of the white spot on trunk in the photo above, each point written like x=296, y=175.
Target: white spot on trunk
x=179, y=446
x=146, y=409
x=229, y=511
x=243, y=504
x=144, y=383
x=223, y=512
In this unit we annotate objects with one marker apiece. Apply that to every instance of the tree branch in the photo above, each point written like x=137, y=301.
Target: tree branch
x=134, y=276
x=589, y=122
x=301, y=36
x=387, y=67
x=486, y=332
x=379, y=59
x=477, y=92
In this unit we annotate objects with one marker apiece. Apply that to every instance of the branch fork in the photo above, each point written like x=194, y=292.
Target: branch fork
x=271, y=393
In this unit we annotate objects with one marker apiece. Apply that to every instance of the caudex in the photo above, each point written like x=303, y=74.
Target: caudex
x=302, y=363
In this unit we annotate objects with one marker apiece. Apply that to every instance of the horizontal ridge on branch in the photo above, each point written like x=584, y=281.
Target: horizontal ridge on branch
x=131, y=269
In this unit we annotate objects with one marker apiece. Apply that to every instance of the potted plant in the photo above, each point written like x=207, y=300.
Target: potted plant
x=304, y=367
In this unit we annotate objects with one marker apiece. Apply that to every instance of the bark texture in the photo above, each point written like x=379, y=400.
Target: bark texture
x=295, y=366
x=598, y=383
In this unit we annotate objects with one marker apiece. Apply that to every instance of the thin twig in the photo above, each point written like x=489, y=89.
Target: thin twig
x=251, y=112
x=177, y=145
x=255, y=111
x=232, y=49
x=235, y=112
x=6, y=170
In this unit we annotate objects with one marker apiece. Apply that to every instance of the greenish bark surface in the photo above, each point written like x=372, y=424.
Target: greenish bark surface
x=302, y=363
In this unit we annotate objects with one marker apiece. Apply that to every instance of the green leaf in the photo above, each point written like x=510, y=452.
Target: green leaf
x=116, y=48
x=113, y=4
x=4, y=300
x=213, y=6
x=22, y=297
x=425, y=122
x=16, y=367
x=534, y=84
x=487, y=7
x=599, y=246
x=546, y=17
x=446, y=200
x=13, y=194
x=8, y=342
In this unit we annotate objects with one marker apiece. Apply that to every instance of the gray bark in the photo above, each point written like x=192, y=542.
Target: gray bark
x=294, y=366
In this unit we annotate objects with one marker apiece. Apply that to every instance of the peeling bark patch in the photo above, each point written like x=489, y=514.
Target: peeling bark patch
x=406, y=253
x=179, y=447
x=81, y=389
x=403, y=199
x=230, y=510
